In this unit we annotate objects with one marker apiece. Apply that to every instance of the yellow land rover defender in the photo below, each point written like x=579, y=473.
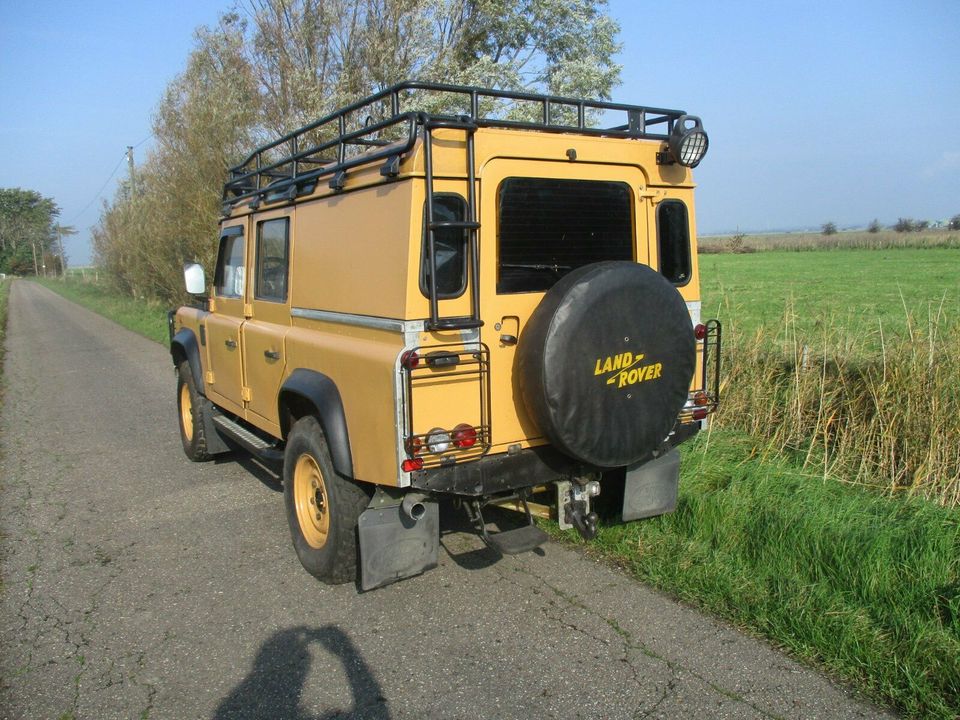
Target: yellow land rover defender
x=444, y=291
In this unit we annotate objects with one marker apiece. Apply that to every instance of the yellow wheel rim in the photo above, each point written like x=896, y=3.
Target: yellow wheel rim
x=310, y=497
x=186, y=412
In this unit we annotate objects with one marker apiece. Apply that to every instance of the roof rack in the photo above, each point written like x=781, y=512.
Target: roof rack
x=384, y=126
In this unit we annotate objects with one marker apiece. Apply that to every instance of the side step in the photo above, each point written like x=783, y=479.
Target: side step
x=250, y=441
x=514, y=542
x=508, y=542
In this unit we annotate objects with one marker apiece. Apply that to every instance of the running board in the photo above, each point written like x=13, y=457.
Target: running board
x=248, y=440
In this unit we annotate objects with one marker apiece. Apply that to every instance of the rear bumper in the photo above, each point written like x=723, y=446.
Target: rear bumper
x=522, y=469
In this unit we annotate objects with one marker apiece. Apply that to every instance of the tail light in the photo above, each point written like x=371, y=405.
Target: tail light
x=700, y=331
x=410, y=359
x=699, y=413
x=700, y=398
x=414, y=446
x=410, y=465
x=464, y=436
x=438, y=441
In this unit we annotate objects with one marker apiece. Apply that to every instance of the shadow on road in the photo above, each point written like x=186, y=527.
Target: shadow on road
x=273, y=688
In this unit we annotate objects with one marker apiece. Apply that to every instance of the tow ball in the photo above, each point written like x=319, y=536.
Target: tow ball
x=574, y=499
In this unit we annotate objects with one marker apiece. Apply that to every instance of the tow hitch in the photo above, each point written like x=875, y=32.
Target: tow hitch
x=573, y=503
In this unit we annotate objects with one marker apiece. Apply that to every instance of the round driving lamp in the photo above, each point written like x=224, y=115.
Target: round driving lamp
x=688, y=141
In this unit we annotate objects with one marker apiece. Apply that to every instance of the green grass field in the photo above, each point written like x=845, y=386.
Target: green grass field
x=865, y=583
x=859, y=291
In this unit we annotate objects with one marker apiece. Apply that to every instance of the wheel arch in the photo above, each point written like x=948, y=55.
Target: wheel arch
x=308, y=392
x=184, y=346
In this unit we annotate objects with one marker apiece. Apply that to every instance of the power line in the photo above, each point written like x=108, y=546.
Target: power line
x=100, y=191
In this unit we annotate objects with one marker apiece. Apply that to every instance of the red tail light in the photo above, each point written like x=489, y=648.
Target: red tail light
x=411, y=465
x=699, y=413
x=700, y=331
x=410, y=359
x=700, y=398
x=464, y=436
x=414, y=446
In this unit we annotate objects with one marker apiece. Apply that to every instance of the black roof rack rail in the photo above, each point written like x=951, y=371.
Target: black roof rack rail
x=386, y=125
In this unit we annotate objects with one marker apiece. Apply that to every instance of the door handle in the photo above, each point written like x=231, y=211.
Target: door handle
x=230, y=343
x=507, y=339
x=271, y=354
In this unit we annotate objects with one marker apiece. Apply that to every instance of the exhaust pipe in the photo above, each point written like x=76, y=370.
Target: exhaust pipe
x=413, y=505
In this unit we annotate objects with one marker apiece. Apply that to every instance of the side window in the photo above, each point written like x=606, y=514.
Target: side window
x=229, y=276
x=673, y=237
x=273, y=245
x=449, y=247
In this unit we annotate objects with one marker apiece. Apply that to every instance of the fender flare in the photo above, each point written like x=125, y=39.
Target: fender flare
x=318, y=394
x=184, y=346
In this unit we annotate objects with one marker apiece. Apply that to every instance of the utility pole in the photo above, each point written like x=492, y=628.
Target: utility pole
x=130, y=167
x=63, y=258
x=36, y=270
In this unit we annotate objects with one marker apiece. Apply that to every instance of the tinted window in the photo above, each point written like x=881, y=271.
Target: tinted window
x=673, y=236
x=229, y=276
x=272, y=250
x=549, y=227
x=449, y=247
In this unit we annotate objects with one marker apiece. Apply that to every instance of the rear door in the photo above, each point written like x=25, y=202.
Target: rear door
x=269, y=316
x=540, y=221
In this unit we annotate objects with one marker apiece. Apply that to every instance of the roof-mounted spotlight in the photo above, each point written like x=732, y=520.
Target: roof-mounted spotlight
x=688, y=143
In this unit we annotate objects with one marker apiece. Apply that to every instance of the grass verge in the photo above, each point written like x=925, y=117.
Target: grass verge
x=4, y=297
x=865, y=585
x=146, y=318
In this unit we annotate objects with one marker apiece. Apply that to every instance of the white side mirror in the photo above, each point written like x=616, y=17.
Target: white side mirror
x=195, y=279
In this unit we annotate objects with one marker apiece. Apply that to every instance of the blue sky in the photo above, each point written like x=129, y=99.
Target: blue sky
x=817, y=111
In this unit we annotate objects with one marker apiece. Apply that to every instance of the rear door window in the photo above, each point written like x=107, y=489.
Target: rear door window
x=548, y=227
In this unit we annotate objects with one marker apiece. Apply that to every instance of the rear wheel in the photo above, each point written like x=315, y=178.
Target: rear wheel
x=190, y=406
x=322, y=506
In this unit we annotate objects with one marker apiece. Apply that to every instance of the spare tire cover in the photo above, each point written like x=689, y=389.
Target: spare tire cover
x=605, y=362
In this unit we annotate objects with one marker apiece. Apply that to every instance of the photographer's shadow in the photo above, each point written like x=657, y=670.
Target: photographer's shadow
x=273, y=687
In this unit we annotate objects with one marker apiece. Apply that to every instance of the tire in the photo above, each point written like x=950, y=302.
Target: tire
x=190, y=410
x=605, y=362
x=322, y=507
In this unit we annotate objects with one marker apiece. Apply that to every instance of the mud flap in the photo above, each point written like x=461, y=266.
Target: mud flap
x=651, y=487
x=394, y=547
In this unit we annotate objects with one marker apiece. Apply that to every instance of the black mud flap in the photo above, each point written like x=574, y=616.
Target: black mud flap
x=651, y=487
x=394, y=547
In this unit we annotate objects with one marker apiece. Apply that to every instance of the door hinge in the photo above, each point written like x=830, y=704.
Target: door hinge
x=246, y=394
x=208, y=377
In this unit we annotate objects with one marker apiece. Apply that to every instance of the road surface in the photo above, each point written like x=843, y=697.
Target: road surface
x=139, y=585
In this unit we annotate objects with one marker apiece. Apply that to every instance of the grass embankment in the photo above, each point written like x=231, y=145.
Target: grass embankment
x=868, y=585
x=4, y=297
x=146, y=318
x=846, y=358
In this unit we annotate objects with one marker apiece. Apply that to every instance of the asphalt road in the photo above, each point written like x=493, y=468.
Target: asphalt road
x=139, y=585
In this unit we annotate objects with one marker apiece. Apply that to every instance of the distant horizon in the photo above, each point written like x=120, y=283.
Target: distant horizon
x=816, y=113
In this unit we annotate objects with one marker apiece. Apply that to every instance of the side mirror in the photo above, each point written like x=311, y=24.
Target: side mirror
x=195, y=279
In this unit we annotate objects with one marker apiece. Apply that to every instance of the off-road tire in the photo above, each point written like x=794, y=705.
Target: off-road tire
x=190, y=410
x=327, y=548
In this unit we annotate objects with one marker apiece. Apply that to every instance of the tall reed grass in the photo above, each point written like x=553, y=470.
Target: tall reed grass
x=888, y=419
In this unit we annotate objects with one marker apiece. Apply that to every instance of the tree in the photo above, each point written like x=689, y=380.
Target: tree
x=26, y=230
x=829, y=228
x=921, y=225
x=954, y=223
x=904, y=225
x=270, y=66
x=874, y=226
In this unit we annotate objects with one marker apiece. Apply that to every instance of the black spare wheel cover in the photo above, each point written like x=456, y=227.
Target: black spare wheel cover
x=605, y=362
